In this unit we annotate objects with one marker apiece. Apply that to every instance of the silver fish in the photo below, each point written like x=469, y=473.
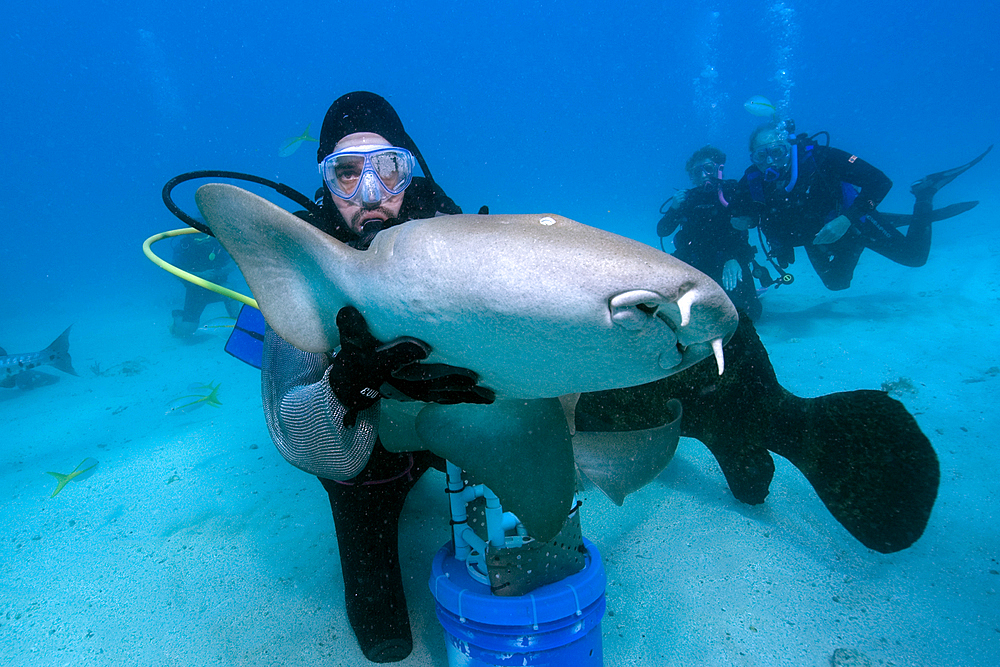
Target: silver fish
x=55, y=355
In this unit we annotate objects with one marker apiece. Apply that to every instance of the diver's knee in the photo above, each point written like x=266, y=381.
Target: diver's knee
x=915, y=262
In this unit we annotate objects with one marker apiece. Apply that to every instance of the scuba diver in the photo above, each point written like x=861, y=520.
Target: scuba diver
x=706, y=240
x=205, y=257
x=800, y=194
x=322, y=410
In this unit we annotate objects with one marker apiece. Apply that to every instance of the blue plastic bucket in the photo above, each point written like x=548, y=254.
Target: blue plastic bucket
x=556, y=625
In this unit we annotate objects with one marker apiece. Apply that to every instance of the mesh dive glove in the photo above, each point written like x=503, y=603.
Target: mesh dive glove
x=363, y=365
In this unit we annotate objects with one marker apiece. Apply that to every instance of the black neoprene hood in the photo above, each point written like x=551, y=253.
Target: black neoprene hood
x=361, y=111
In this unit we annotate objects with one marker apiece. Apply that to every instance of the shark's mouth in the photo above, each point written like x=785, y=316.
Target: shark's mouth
x=637, y=310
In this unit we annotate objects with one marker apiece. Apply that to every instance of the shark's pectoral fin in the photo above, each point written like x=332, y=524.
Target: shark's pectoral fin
x=32, y=379
x=286, y=262
x=869, y=462
x=620, y=462
x=520, y=449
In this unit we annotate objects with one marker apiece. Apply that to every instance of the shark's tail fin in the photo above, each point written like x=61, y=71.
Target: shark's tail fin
x=863, y=453
x=57, y=354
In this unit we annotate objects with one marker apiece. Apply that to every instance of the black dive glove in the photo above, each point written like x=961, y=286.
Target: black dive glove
x=363, y=365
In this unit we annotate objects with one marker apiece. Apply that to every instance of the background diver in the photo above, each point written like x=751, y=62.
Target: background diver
x=706, y=239
x=824, y=199
x=203, y=256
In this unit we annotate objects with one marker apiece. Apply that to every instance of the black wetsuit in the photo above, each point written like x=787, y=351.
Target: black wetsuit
x=831, y=182
x=706, y=240
x=367, y=484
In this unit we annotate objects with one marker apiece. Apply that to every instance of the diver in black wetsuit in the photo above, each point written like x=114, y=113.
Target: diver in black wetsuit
x=706, y=239
x=322, y=410
x=824, y=199
x=205, y=257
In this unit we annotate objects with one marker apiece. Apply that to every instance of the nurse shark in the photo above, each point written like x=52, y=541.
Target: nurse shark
x=539, y=306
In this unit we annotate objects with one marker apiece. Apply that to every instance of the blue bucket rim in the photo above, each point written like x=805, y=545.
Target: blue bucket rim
x=455, y=591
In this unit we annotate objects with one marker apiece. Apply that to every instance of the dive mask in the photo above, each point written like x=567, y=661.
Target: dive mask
x=706, y=173
x=774, y=153
x=367, y=174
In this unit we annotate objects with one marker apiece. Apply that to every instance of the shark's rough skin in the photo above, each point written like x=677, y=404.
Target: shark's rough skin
x=537, y=305
x=863, y=453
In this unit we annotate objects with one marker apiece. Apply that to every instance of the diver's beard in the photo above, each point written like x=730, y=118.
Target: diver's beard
x=371, y=228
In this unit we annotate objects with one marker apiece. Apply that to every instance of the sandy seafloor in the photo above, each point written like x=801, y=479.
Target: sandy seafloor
x=195, y=543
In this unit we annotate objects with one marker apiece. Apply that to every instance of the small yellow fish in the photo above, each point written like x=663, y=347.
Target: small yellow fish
x=201, y=394
x=82, y=471
x=219, y=325
x=292, y=145
x=758, y=105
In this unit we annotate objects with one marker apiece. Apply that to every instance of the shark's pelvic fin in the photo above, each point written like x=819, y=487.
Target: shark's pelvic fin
x=621, y=462
x=520, y=449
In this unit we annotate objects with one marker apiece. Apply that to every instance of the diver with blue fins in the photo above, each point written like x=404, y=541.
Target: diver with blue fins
x=799, y=193
x=323, y=410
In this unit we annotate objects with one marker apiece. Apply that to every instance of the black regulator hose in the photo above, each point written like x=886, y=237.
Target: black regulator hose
x=280, y=188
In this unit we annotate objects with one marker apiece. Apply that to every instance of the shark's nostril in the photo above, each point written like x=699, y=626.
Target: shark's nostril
x=648, y=308
x=635, y=309
x=630, y=318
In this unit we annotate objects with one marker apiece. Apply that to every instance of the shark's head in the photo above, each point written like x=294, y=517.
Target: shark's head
x=544, y=305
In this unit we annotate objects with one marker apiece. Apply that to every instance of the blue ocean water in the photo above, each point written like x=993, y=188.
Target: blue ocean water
x=583, y=109
x=578, y=108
